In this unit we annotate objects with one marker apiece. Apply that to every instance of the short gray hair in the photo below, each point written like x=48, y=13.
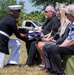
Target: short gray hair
x=51, y=8
x=70, y=9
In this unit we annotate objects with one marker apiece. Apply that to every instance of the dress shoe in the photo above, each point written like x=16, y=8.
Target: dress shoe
x=48, y=70
x=57, y=74
x=12, y=64
x=54, y=74
x=26, y=65
x=41, y=67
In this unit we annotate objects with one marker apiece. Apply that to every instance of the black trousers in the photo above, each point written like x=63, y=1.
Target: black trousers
x=28, y=44
x=33, y=54
x=53, y=53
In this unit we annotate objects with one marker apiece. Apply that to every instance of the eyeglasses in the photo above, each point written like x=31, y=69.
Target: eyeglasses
x=47, y=11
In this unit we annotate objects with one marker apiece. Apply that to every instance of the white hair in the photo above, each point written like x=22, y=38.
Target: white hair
x=70, y=9
x=51, y=8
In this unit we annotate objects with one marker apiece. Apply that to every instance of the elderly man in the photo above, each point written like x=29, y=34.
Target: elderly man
x=8, y=26
x=52, y=53
x=50, y=26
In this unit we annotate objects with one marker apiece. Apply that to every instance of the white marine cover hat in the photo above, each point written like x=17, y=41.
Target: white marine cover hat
x=15, y=7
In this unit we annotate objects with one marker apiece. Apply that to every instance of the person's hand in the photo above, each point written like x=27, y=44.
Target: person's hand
x=45, y=39
x=22, y=35
x=53, y=40
x=71, y=42
x=47, y=35
x=39, y=30
x=26, y=36
x=65, y=43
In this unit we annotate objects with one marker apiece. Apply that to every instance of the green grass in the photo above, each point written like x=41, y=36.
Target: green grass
x=16, y=70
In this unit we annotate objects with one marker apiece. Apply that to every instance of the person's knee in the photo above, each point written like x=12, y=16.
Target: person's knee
x=40, y=45
x=48, y=48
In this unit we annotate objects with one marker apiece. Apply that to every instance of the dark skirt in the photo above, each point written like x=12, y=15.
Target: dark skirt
x=4, y=44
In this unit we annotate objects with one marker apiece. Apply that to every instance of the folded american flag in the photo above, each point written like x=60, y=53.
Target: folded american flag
x=34, y=34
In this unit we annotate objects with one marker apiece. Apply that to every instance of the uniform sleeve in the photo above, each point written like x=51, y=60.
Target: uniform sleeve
x=23, y=30
x=16, y=31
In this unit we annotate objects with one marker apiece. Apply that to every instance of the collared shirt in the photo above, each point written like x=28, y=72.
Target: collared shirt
x=50, y=25
x=71, y=32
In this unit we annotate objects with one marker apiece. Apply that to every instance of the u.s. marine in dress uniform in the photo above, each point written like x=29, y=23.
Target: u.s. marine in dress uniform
x=8, y=26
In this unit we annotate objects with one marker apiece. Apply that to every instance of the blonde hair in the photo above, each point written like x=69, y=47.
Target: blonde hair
x=63, y=19
x=60, y=5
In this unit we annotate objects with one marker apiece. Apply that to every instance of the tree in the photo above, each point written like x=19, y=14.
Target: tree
x=35, y=15
x=22, y=14
x=44, y=3
x=4, y=6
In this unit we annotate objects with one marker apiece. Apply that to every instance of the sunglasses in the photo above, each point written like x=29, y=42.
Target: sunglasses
x=47, y=11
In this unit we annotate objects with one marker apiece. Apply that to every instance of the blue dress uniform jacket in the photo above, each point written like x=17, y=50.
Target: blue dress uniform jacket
x=8, y=25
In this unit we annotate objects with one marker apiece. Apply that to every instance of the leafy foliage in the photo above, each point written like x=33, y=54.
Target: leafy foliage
x=44, y=3
x=4, y=6
x=37, y=15
x=34, y=15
